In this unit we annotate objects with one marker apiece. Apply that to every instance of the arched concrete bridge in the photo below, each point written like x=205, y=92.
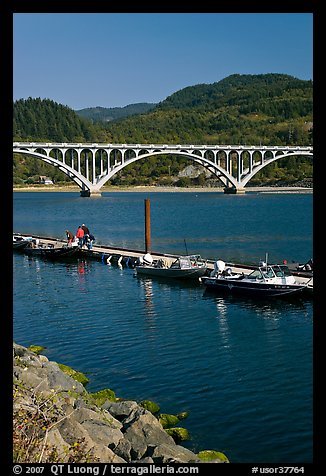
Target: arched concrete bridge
x=92, y=165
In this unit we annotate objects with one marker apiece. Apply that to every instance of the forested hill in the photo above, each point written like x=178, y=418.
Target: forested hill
x=107, y=114
x=267, y=109
x=43, y=119
x=276, y=94
x=240, y=109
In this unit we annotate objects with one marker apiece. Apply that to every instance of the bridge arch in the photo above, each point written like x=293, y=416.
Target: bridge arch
x=76, y=176
x=266, y=160
x=217, y=170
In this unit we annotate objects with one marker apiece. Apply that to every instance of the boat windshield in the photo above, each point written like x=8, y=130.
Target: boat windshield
x=185, y=262
x=256, y=274
x=181, y=263
x=280, y=271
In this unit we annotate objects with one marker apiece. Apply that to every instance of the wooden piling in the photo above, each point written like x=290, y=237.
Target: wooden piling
x=147, y=226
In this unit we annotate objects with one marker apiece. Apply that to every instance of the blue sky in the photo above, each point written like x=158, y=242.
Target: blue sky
x=114, y=59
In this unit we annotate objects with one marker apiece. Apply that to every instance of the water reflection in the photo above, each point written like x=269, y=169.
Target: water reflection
x=147, y=287
x=81, y=268
x=245, y=318
x=272, y=308
x=79, y=271
x=221, y=307
x=33, y=264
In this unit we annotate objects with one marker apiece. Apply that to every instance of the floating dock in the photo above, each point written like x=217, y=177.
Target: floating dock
x=125, y=257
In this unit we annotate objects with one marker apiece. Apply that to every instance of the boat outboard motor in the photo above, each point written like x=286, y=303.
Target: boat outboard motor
x=140, y=260
x=308, y=266
x=219, y=266
x=148, y=259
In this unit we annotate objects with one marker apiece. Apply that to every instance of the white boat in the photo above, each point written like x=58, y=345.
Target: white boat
x=184, y=267
x=266, y=280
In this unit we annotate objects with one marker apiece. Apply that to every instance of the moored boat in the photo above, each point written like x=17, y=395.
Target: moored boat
x=184, y=267
x=20, y=242
x=266, y=280
x=50, y=251
x=302, y=267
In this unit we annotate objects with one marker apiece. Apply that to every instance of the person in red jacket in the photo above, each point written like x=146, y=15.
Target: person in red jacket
x=80, y=235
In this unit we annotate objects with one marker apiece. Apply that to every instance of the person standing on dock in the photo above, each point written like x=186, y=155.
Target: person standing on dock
x=86, y=230
x=80, y=235
x=70, y=237
x=86, y=233
x=89, y=241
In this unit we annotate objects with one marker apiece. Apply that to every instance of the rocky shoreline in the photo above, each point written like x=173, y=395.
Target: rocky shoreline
x=57, y=420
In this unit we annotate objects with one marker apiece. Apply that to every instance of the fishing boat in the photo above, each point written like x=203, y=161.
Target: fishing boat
x=50, y=251
x=265, y=280
x=302, y=267
x=20, y=242
x=184, y=267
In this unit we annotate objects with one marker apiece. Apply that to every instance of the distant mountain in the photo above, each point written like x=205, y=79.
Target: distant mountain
x=107, y=114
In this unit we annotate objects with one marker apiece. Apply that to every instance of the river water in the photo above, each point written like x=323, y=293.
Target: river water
x=242, y=368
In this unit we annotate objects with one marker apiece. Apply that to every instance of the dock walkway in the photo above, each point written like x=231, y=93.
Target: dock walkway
x=128, y=257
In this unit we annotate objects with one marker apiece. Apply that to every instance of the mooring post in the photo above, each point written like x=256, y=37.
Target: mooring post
x=147, y=226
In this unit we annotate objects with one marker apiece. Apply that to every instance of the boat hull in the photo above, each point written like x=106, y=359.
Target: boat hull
x=252, y=288
x=52, y=253
x=19, y=245
x=189, y=273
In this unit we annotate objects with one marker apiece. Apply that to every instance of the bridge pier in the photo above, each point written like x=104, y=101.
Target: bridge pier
x=234, y=190
x=88, y=193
